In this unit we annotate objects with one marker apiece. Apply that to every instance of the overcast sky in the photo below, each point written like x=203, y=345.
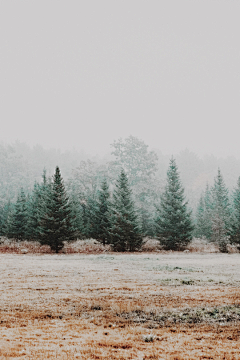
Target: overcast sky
x=85, y=73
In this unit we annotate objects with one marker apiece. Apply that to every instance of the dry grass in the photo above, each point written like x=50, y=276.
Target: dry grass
x=91, y=246
x=203, y=246
x=120, y=306
x=151, y=245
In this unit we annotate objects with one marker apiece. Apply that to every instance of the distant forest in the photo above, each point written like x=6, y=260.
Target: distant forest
x=24, y=169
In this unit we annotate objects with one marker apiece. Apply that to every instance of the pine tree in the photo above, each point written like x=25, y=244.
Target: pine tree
x=221, y=213
x=19, y=218
x=235, y=229
x=101, y=214
x=203, y=216
x=56, y=222
x=7, y=217
x=33, y=210
x=76, y=211
x=200, y=218
x=173, y=222
x=85, y=221
x=125, y=235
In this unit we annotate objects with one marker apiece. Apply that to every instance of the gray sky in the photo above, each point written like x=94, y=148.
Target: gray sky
x=83, y=73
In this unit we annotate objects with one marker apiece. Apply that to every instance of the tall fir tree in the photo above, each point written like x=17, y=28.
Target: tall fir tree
x=221, y=213
x=56, y=215
x=235, y=220
x=101, y=214
x=19, y=219
x=7, y=217
x=76, y=210
x=85, y=218
x=200, y=218
x=173, y=221
x=203, y=216
x=125, y=233
x=33, y=210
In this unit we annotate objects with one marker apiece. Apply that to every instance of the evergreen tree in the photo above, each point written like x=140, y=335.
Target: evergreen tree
x=85, y=218
x=208, y=203
x=19, y=218
x=101, y=214
x=173, y=222
x=200, y=219
x=125, y=234
x=203, y=216
x=33, y=210
x=76, y=211
x=55, y=220
x=221, y=213
x=7, y=216
x=235, y=230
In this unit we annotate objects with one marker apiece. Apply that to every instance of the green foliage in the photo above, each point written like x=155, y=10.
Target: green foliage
x=235, y=231
x=125, y=234
x=19, y=218
x=101, y=214
x=203, y=215
x=214, y=219
x=35, y=205
x=140, y=166
x=173, y=222
x=220, y=201
x=221, y=213
x=6, y=219
x=55, y=218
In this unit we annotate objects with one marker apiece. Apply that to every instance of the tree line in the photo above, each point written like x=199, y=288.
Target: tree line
x=52, y=215
x=49, y=216
x=93, y=203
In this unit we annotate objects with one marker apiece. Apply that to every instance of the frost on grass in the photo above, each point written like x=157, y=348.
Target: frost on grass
x=104, y=305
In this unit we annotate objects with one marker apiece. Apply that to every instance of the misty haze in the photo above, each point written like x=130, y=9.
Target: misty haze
x=120, y=180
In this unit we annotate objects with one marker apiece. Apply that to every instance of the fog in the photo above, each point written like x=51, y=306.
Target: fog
x=82, y=74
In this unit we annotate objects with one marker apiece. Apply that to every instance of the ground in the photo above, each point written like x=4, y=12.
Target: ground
x=120, y=306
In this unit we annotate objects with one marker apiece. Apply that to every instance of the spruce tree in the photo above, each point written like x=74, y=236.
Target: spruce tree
x=85, y=221
x=7, y=217
x=235, y=228
x=173, y=222
x=56, y=222
x=19, y=218
x=221, y=213
x=101, y=214
x=76, y=211
x=203, y=216
x=125, y=234
x=33, y=210
x=200, y=218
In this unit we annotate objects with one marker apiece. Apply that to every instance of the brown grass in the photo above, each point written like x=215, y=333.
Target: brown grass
x=203, y=246
x=120, y=306
x=91, y=246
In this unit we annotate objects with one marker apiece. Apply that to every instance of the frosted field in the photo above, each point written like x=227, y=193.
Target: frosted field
x=120, y=306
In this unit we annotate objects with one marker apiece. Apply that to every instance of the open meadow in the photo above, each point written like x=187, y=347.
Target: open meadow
x=120, y=306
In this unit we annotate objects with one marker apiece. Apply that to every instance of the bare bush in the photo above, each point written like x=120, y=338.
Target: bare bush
x=89, y=246
x=202, y=245
x=22, y=247
x=151, y=245
x=232, y=249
